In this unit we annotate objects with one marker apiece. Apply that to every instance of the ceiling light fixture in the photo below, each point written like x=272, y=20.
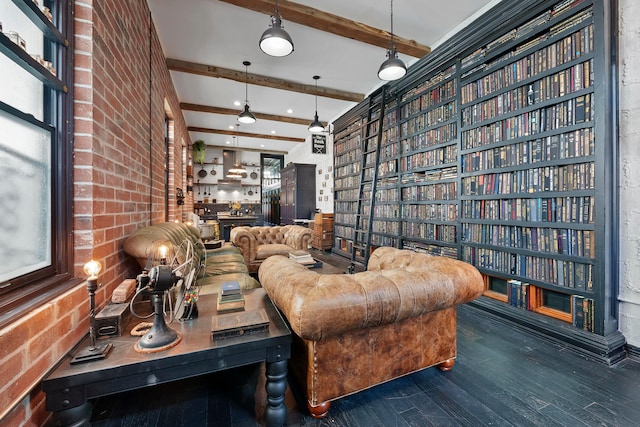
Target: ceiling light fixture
x=246, y=116
x=275, y=41
x=393, y=68
x=316, y=125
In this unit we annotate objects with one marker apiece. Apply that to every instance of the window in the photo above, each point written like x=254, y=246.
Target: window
x=35, y=158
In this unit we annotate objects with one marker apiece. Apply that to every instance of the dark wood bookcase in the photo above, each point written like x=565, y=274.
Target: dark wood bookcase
x=498, y=148
x=297, y=192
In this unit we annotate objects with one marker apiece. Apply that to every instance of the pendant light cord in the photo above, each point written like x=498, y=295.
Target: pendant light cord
x=392, y=44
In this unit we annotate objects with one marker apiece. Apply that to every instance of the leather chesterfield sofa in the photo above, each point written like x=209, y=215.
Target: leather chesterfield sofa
x=352, y=332
x=258, y=243
x=218, y=266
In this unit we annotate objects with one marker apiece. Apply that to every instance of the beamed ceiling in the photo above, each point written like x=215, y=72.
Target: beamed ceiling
x=344, y=42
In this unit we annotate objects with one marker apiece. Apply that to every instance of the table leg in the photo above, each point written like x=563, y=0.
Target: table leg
x=276, y=412
x=73, y=417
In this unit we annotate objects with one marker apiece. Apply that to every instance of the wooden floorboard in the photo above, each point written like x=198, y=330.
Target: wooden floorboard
x=503, y=376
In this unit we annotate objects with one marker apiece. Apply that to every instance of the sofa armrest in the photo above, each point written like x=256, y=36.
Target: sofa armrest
x=320, y=306
x=244, y=240
x=298, y=237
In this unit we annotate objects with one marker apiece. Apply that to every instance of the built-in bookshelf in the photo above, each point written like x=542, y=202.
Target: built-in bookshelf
x=497, y=149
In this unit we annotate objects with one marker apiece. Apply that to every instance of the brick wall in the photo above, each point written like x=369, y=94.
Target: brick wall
x=629, y=109
x=123, y=92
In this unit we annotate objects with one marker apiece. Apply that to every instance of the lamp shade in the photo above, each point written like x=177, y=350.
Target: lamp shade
x=392, y=69
x=275, y=41
x=246, y=116
x=316, y=125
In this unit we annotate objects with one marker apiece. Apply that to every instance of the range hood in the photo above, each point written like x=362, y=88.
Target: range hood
x=228, y=184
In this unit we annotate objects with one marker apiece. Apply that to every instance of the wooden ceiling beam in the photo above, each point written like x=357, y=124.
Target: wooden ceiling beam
x=231, y=112
x=254, y=150
x=244, y=134
x=324, y=21
x=259, y=80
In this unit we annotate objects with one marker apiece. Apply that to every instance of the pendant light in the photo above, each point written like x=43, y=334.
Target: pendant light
x=316, y=125
x=275, y=41
x=393, y=68
x=246, y=116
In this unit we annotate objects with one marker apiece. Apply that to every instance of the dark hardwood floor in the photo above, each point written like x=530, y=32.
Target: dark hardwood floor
x=503, y=376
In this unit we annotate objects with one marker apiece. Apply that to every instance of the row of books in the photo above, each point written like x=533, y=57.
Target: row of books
x=429, y=83
x=568, y=145
x=422, y=124
x=435, y=157
x=431, y=249
x=430, y=118
x=562, y=273
x=431, y=138
x=565, y=50
x=431, y=212
x=557, y=85
x=572, y=177
x=387, y=194
x=580, y=243
x=426, y=101
x=388, y=211
x=555, y=117
x=441, y=135
x=438, y=191
x=445, y=173
x=426, y=231
x=568, y=209
x=379, y=240
x=386, y=227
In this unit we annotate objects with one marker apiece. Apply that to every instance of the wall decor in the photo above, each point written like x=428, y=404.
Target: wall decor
x=319, y=144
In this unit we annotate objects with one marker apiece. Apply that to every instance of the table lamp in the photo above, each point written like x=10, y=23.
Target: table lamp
x=93, y=352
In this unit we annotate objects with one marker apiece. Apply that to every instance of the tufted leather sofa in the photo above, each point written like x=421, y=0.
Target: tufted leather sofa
x=352, y=332
x=220, y=265
x=258, y=243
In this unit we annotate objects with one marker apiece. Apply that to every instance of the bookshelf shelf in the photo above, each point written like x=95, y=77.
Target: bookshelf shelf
x=497, y=149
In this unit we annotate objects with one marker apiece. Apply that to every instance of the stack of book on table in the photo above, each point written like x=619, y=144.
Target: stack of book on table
x=230, y=298
x=303, y=257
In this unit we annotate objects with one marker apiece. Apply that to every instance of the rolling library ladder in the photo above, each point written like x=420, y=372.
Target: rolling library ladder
x=361, y=249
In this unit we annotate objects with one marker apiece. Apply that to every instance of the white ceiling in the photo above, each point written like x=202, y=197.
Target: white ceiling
x=215, y=33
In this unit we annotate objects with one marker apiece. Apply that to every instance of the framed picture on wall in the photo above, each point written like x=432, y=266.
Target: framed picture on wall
x=319, y=144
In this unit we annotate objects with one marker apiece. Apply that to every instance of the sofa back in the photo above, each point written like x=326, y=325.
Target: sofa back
x=140, y=241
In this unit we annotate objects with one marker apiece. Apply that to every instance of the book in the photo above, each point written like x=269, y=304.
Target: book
x=230, y=291
x=230, y=305
x=302, y=257
x=230, y=325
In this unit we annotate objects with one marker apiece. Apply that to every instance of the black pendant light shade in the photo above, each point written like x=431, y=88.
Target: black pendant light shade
x=392, y=68
x=316, y=125
x=246, y=116
x=275, y=41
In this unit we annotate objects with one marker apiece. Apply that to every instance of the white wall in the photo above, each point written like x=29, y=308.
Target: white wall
x=303, y=153
x=629, y=169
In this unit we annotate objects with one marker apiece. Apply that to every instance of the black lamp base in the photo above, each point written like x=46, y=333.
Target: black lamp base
x=90, y=354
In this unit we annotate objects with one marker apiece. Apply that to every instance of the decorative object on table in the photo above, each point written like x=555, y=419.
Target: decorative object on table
x=190, y=310
x=230, y=298
x=167, y=266
x=234, y=207
x=111, y=319
x=93, y=352
x=303, y=257
x=231, y=325
x=199, y=151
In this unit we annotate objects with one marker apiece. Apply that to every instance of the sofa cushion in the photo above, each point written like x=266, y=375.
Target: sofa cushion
x=223, y=264
x=213, y=284
x=266, y=250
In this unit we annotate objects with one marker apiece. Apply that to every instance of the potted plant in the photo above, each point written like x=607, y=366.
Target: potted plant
x=199, y=151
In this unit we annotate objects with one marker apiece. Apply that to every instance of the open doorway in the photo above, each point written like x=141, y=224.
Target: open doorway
x=270, y=165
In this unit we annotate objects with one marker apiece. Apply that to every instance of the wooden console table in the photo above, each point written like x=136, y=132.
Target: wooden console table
x=69, y=387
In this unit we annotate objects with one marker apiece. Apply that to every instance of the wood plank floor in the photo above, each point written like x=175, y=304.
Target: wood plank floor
x=502, y=377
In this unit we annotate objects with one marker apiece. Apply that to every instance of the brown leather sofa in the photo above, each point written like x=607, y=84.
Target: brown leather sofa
x=352, y=332
x=220, y=265
x=258, y=243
